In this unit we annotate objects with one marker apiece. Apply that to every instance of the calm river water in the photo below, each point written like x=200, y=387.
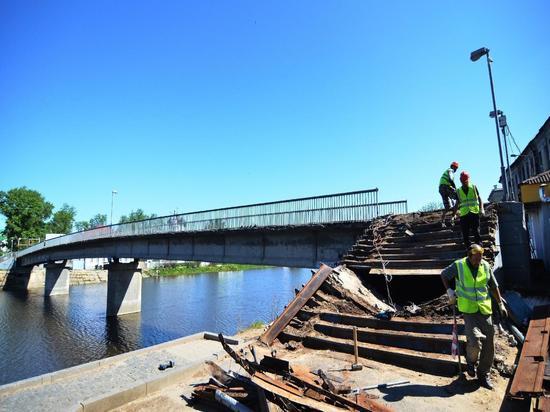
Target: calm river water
x=40, y=335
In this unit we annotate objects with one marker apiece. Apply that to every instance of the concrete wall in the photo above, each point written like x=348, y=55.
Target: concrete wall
x=77, y=277
x=514, y=245
x=82, y=277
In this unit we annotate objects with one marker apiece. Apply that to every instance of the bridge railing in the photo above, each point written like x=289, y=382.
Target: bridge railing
x=337, y=208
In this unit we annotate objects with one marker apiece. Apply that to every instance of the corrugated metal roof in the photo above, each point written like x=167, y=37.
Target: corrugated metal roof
x=543, y=177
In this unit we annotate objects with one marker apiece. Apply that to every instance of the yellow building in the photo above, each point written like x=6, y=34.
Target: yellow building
x=530, y=188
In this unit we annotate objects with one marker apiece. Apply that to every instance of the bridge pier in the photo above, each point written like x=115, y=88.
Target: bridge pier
x=57, y=279
x=123, y=288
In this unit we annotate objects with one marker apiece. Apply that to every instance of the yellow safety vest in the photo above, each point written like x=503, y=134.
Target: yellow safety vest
x=468, y=203
x=473, y=293
x=445, y=179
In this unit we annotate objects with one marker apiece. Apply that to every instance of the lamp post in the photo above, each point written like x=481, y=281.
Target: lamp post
x=475, y=56
x=113, y=193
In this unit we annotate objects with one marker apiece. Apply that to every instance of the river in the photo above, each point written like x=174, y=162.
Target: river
x=43, y=334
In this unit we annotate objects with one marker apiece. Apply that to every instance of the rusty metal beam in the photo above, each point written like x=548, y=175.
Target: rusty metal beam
x=294, y=307
x=529, y=376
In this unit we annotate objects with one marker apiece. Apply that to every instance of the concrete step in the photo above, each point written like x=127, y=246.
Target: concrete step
x=431, y=227
x=445, y=234
x=421, y=342
x=410, y=264
x=418, y=241
x=394, y=272
x=440, y=327
x=434, y=363
x=406, y=253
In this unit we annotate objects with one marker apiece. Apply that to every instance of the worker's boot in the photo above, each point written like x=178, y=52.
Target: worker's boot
x=471, y=369
x=485, y=381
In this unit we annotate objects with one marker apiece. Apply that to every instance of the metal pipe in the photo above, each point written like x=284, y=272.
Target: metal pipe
x=502, y=173
x=512, y=194
x=230, y=403
x=355, y=349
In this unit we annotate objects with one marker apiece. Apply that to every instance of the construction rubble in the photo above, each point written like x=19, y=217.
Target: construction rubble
x=385, y=304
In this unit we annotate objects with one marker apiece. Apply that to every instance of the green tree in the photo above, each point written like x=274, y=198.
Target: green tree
x=431, y=206
x=97, y=220
x=82, y=225
x=26, y=212
x=62, y=220
x=136, y=215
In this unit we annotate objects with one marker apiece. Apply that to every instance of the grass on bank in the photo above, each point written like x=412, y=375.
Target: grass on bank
x=254, y=325
x=191, y=268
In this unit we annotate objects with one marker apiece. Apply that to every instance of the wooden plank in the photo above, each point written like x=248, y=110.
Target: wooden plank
x=294, y=307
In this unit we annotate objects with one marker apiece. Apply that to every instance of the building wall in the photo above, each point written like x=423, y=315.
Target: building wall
x=538, y=218
x=530, y=193
x=534, y=159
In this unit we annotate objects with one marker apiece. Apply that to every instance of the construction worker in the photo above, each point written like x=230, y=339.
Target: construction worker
x=468, y=207
x=474, y=280
x=447, y=190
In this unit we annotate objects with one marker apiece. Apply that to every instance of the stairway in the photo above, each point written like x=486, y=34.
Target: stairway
x=423, y=346
x=415, y=244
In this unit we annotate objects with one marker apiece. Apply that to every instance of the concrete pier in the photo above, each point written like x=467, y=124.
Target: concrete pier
x=57, y=279
x=20, y=278
x=123, y=288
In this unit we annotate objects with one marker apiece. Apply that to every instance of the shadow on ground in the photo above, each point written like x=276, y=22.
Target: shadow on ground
x=459, y=386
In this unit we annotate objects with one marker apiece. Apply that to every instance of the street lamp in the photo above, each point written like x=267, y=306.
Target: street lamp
x=475, y=56
x=113, y=193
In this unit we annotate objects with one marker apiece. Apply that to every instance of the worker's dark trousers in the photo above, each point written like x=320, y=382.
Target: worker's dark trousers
x=479, y=334
x=470, y=223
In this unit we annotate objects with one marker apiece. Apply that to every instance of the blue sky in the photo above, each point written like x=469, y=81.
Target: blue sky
x=195, y=105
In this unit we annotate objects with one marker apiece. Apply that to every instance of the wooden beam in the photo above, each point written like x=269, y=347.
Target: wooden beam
x=294, y=307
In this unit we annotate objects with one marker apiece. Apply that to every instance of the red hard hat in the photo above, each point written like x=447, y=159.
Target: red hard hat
x=454, y=164
x=464, y=177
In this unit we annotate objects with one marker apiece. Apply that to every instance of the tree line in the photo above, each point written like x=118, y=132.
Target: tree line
x=30, y=216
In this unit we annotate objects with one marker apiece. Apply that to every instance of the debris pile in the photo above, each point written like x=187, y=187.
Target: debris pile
x=328, y=317
x=273, y=381
x=338, y=311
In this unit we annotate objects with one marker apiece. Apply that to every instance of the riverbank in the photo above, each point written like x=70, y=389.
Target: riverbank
x=91, y=276
x=193, y=268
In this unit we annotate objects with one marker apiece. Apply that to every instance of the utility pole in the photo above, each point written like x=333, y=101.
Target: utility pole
x=474, y=56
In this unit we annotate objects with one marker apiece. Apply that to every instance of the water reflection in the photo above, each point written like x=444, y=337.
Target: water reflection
x=42, y=334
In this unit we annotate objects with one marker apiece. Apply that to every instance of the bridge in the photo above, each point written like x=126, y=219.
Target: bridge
x=298, y=233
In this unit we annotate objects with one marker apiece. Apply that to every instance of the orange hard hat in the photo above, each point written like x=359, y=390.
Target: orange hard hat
x=464, y=176
x=455, y=165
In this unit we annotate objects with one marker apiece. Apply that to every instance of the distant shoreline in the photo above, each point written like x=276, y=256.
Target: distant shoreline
x=193, y=269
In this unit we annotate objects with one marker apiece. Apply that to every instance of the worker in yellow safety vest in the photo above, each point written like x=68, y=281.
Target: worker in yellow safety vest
x=447, y=190
x=474, y=281
x=469, y=206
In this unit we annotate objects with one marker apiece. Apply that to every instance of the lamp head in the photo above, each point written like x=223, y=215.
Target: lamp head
x=476, y=55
